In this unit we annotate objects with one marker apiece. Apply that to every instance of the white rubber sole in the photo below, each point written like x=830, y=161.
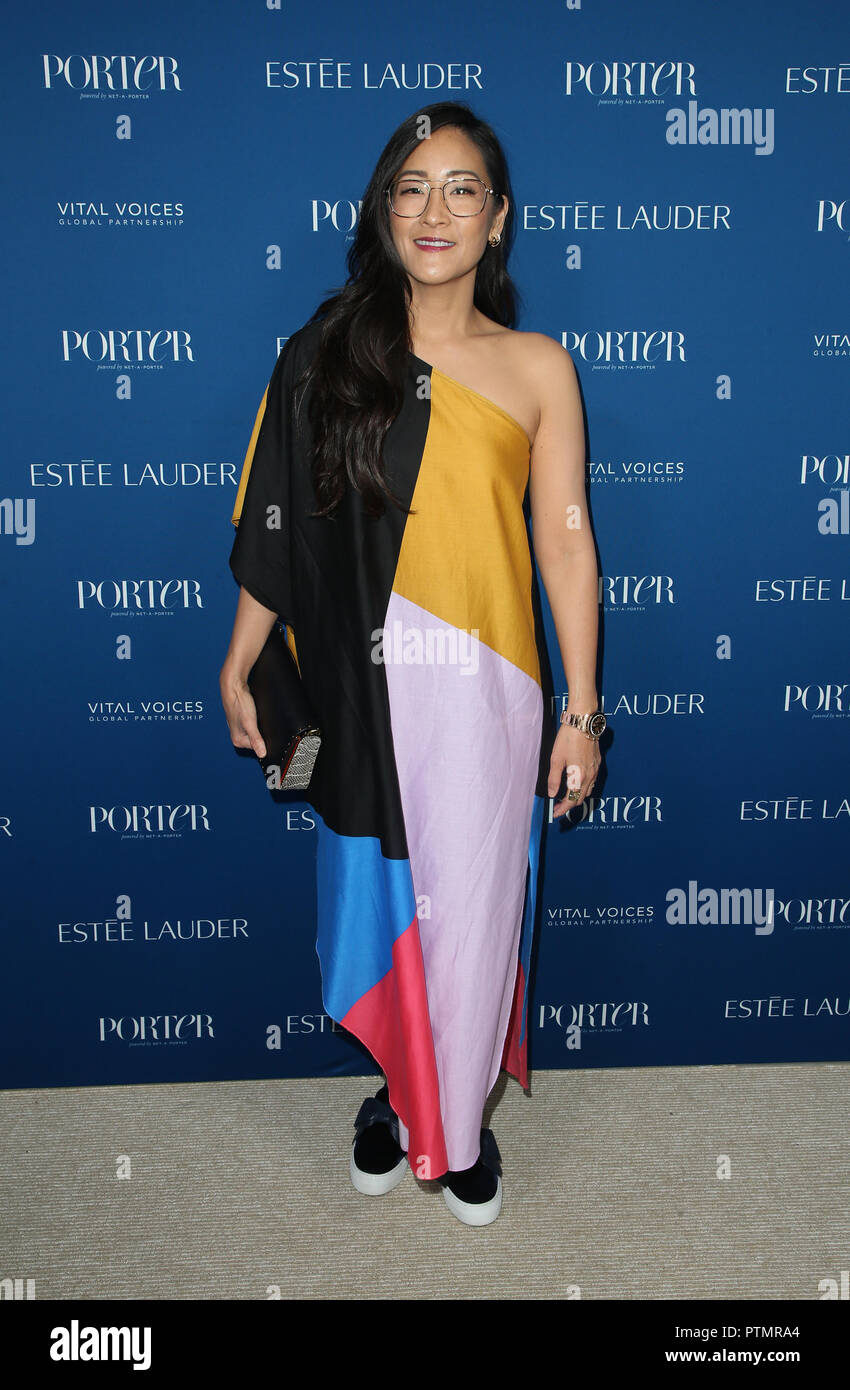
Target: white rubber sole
x=376, y=1184
x=475, y=1213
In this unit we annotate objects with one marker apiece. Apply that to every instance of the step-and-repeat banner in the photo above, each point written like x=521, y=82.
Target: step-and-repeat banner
x=182, y=187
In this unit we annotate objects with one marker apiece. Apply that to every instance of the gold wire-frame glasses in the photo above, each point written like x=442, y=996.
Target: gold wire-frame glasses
x=409, y=196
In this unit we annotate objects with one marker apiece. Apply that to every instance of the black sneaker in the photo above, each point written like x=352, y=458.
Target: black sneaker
x=378, y=1162
x=474, y=1195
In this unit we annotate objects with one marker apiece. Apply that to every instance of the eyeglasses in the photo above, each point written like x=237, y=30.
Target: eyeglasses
x=409, y=197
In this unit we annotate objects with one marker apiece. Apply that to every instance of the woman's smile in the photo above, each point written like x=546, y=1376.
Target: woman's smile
x=432, y=243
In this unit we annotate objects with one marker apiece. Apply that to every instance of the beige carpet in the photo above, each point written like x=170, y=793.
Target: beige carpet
x=240, y=1190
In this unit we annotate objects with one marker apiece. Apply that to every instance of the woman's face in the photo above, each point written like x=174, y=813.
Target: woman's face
x=447, y=154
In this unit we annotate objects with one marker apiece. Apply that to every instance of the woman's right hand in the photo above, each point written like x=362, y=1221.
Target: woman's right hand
x=240, y=712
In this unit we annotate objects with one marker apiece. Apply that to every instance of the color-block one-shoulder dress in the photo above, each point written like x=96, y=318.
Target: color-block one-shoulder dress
x=420, y=643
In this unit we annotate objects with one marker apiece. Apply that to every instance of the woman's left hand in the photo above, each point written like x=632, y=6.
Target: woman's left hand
x=579, y=756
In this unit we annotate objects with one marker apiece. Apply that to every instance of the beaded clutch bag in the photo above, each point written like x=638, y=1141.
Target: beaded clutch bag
x=284, y=717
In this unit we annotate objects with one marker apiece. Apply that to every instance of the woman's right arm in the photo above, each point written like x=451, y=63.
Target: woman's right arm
x=251, y=627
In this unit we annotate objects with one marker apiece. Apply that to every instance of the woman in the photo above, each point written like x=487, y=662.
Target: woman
x=380, y=515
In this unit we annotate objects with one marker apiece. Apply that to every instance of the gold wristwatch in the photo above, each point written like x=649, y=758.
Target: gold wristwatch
x=593, y=725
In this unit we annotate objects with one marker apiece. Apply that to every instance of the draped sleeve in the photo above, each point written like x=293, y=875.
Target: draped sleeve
x=261, y=557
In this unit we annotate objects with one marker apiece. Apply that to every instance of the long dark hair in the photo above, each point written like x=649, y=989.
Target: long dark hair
x=358, y=373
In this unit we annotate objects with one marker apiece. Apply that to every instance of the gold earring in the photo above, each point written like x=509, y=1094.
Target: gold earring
x=494, y=241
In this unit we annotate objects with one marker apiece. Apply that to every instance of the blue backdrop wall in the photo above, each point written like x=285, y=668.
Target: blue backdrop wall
x=182, y=185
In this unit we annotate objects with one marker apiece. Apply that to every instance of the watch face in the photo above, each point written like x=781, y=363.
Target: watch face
x=597, y=725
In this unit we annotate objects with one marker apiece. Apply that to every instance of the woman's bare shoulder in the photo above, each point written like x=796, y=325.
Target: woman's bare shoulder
x=547, y=372
x=539, y=351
